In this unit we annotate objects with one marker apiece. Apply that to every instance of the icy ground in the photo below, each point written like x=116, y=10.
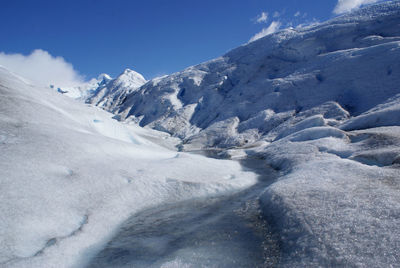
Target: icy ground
x=321, y=104
x=224, y=231
x=317, y=108
x=70, y=175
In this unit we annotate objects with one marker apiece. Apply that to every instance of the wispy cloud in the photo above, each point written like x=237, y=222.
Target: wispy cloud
x=42, y=68
x=273, y=27
x=297, y=14
x=262, y=18
x=344, y=6
x=276, y=14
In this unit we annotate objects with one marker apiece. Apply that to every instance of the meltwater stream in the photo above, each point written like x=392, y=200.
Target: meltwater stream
x=224, y=231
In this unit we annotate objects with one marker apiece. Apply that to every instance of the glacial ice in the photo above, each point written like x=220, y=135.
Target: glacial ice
x=318, y=104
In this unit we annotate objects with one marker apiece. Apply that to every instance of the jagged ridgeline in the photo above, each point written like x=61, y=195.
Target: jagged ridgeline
x=310, y=118
x=336, y=69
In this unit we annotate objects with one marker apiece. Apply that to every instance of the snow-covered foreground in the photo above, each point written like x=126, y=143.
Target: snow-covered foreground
x=338, y=204
x=321, y=104
x=225, y=231
x=70, y=175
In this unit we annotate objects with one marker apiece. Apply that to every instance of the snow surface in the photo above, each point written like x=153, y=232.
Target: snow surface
x=321, y=105
x=343, y=62
x=338, y=203
x=70, y=175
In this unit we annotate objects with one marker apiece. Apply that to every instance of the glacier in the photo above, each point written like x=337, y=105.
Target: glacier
x=302, y=133
x=340, y=66
x=71, y=174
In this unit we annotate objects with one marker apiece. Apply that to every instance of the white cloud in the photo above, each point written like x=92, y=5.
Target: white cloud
x=273, y=27
x=344, y=6
x=276, y=14
x=262, y=18
x=42, y=68
x=297, y=14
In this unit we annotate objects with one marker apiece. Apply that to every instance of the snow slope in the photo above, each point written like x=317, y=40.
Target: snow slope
x=70, y=175
x=252, y=89
x=321, y=105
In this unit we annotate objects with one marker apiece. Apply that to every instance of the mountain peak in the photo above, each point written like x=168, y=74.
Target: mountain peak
x=132, y=74
x=106, y=92
x=103, y=76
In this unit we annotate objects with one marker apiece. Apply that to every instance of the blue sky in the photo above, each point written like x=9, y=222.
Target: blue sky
x=153, y=37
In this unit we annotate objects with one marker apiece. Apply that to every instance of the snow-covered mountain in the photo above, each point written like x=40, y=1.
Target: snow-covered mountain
x=339, y=68
x=85, y=90
x=108, y=95
x=321, y=104
x=314, y=111
x=104, y=91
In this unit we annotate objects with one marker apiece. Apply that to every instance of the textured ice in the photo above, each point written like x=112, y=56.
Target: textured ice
x=318, y=103
x=70, y=174
x=343, y=62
